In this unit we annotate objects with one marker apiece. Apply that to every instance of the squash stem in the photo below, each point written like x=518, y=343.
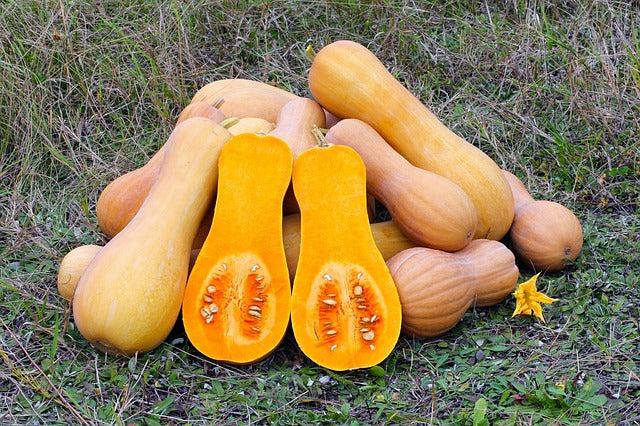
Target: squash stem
x=319, y=136
x=228, y=122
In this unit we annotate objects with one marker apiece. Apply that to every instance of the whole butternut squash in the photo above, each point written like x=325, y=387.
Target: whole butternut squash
x=121, y=199
x=436, y=288
x=345, y=311
x=428, y=208
x=72, y=267
x=351, y=82
x=236, y=303
x=129, y=297
x=245, y=98
x=545, y=234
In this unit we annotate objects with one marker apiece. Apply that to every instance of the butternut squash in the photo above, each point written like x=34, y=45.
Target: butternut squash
x=129, y=297
x=72, y=267
x=545, y=234
x=345, y=310
x=236, y=303
x=121, y=199
x=351, y=82
x=437, y=288
x=428, y=208
x=245, y=98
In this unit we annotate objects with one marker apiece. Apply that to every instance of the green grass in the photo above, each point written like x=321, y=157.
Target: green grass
x=550, y=92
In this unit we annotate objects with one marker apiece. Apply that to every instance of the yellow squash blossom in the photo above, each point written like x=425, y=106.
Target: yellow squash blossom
x=528, y=299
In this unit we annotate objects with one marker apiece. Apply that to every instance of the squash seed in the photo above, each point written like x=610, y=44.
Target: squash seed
x=259, y=279
x=213, y=308
x=255, y=268
x=257, y=299
x=365, y=320
x=364, y=330
x=255, y=314
x=255, y=308
x=368, y=335
x=361, y=307
x=373, y=348
x=332, y=332
x=334, y=347
x=330, y=302
x=256, y=329
x=327, y=277
x=209, y=319
x=207, y=299
x=374, y=318
x=204, y=312
x=211, y=289
x=359, y=277
x=357, y=290
x=224, y=266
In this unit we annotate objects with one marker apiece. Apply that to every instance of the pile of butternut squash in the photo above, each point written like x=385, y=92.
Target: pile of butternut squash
x=256, y=214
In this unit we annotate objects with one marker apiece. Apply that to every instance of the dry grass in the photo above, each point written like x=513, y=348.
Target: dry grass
x=551, y=92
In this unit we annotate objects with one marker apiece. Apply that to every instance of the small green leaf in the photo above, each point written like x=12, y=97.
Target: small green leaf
x=377, y=371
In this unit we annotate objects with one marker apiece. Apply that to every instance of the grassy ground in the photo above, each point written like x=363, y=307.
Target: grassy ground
x=89, y=90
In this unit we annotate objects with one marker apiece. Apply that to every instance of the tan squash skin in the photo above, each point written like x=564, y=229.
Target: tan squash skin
x=545, y=235
x=295, y=121
x=129, y=297
x=350, y=82
x=236, y=303
x=388, y=238
x=428, y=208
x=121, y=199
x=345, y=311
x=72, y=267
x=437, y=288
x=245, y=98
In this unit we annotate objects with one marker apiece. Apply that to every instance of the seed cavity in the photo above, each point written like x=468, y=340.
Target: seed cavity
x=368, y=336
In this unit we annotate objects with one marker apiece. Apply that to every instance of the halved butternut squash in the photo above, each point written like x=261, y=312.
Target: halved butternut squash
x=236, y=303
x=345, y=309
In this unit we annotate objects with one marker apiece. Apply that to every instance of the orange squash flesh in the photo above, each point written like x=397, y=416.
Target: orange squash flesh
x=236, y=303
x=345, y=310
